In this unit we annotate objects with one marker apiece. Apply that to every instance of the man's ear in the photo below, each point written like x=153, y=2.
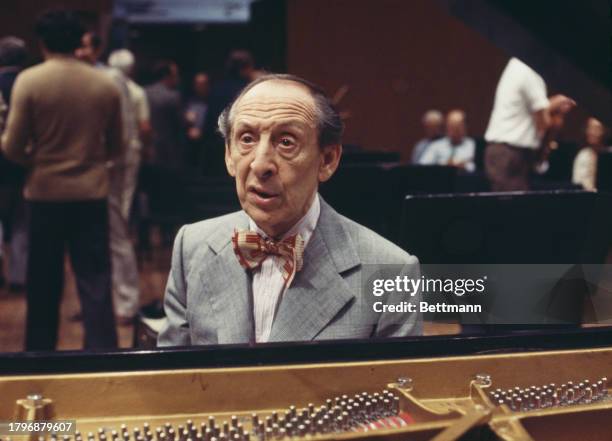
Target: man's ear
x=330, y=158
x=229, y=164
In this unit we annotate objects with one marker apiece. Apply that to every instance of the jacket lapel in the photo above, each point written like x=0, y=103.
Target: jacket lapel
x=229, y=288
x=318, y=291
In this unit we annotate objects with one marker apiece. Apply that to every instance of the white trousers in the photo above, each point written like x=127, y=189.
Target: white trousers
x=125, y=281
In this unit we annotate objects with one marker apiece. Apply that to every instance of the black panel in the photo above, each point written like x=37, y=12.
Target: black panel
x=268, y=31
x=314, y=352
x=532, y=227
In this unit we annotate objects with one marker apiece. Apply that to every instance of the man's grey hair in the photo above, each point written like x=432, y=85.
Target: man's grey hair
x=123, y=60
x=329, y=123
x=13, y=52
x=434, y=116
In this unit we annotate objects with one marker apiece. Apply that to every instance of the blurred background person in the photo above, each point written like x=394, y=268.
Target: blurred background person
x=13, y=227
x=124, y=177
x=122, y=180
x=456, y=148
x=523, y=123
x=584, y=171
x=239, y=71
x=124, y=61
x=65, y=124
x=166, y=116
x=433, y=128
x=164, y=161
x=195, y=116
x=90, y=50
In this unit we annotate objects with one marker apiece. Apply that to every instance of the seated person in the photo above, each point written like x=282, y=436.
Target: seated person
x=585, y=164
x=287, y=267
x=433, y=127
x=455, y=148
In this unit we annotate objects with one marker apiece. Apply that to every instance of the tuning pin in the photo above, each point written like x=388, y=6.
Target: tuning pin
x=588, y=395
x=517, y=403
x=571, y=396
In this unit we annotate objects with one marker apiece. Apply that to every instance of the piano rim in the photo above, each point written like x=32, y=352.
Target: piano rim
x=225, y=356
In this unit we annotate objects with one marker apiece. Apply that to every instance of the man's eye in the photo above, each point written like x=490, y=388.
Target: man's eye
x=246, y=139
x=287, y=142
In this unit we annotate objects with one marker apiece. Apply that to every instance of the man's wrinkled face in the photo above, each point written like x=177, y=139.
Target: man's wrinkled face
x=273, y=152
x=455, y=128
x=594, y=132
x=433, y=128
x=200, y=85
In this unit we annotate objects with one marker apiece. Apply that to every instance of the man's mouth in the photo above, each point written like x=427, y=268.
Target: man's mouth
x=263, y=194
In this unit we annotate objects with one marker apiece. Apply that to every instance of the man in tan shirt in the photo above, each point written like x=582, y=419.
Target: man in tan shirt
x=65, y=125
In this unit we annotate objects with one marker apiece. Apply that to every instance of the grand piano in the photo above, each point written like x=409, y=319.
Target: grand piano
x=536, y=385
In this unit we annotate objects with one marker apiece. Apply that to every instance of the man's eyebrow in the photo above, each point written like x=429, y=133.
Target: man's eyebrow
x=244, y=125
x=292, y=123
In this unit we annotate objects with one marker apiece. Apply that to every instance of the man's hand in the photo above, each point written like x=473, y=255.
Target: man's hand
x=560, y=104
x=458, y=164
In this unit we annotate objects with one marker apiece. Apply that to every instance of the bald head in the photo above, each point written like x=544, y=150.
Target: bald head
x=455, y=126
x=283, y=86
x=433, y=124
x=274, y=100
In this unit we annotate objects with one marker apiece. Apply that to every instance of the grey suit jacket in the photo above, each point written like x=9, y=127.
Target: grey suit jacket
x=208, y=298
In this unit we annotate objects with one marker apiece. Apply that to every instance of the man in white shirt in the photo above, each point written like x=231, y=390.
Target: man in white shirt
x=287, y=267
x=455, y=148
x=433, y=127
x=522, y=122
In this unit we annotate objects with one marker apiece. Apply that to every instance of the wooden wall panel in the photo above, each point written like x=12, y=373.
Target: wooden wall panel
x=399, y=58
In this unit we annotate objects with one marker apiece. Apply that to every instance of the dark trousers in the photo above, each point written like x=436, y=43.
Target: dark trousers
x=509, y=168
x=83, y=227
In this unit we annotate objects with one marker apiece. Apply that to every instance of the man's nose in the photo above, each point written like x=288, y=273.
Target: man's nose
x=264, y=163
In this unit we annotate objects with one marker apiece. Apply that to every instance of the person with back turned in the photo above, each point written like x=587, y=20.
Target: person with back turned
x=287, y=267
x=522, y=125
x=65, y=125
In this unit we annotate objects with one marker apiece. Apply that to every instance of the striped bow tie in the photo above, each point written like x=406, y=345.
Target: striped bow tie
x=252, y=249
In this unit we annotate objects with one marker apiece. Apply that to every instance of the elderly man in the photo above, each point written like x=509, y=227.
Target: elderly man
x=455, y=148
x=433, y=127
x=287, y=267
x=123, y=180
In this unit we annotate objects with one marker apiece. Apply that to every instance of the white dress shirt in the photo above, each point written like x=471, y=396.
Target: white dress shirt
x=585, y=169
x=268, y=282
x=443, y=152
x=520, y=93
